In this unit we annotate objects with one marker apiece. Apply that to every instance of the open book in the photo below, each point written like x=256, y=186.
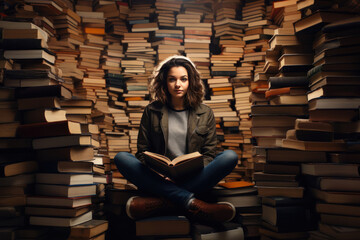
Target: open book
x=179, y=166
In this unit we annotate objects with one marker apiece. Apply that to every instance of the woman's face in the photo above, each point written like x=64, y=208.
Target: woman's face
x=177, y=82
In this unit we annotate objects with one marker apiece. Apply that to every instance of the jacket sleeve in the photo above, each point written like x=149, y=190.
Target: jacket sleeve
x=209, y=148
x=143, y=135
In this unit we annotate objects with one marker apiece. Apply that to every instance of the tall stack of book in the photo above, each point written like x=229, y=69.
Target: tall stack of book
x=93, y=85
x=117, y=142
x=166, y=11
x=117, y=25
x=255, y=43
x=69, y=37
x=25, y=46
x=139, y=51
x=63, y=176
x=168, y=42
x=221, y=95
x=286, y=210
x=197, y=34
x=17, y=164
x=68, y=30
x=241, y=96
x=230, y=33
x=42, y=118
x=140, y=60
x=115, y=15
x=226, y=9
x=279, y=182
x=333, y=120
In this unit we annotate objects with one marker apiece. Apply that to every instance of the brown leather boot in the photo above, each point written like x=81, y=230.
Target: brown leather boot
x=144, y=207
x=211, y=212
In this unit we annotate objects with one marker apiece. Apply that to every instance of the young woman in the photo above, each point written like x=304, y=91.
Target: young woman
x=176, y=123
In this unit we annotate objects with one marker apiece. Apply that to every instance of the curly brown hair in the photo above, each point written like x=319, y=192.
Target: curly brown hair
x=158, y=82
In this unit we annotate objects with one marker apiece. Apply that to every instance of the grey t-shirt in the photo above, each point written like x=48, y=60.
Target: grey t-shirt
x=178, y=124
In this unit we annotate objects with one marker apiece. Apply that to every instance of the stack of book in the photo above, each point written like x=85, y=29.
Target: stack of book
x=241, y=95
x=68, y=30
x=66, y=60
x=280, y=186
x=139, y=53
x=77, y=109
x=257, y=34
x=169, y=45
x=270, y=121
x=117, y=142
x=285, y=218
x=285, y=13
x=135, y=42
x=63, y=153
x=336, y=57
x=197, y=35
x=334, y=185
x=332, y=126
x=17, y=164
x=243, y=195
x=138, y=46
x=255, y=39
x=116, y=26
x=92, y=22
x=112, y=56
x=230, y=33
x=166, y=11
x=226, y=119
x=168, y=42
x=317, y=138
x=226, y=9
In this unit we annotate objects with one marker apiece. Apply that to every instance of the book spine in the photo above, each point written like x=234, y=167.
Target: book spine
x=282, y=82
x=314, y=71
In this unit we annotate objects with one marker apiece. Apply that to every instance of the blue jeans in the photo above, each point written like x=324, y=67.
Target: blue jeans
x=179, y=193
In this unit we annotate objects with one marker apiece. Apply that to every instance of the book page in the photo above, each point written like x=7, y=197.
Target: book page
x=159, y=157
x=185, y=157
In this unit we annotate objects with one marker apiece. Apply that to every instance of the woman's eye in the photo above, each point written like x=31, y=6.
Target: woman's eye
x=184, y=79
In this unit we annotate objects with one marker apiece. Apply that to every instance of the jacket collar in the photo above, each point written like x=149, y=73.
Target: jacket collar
x=159, y=107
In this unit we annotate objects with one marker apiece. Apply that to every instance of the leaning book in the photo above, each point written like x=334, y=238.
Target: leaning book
x=179, y=166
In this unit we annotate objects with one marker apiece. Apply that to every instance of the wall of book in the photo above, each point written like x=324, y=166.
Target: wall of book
x=281, y=77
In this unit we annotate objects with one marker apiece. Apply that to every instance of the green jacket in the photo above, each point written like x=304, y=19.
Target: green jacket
x=201, y=133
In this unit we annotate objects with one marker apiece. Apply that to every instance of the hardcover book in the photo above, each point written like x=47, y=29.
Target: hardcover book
x=181, y=165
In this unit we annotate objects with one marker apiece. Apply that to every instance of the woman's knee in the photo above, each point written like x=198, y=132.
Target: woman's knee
x=122, y=158
x=231, y=157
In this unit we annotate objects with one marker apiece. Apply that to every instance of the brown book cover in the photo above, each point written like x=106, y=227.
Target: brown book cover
x=48, y=129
